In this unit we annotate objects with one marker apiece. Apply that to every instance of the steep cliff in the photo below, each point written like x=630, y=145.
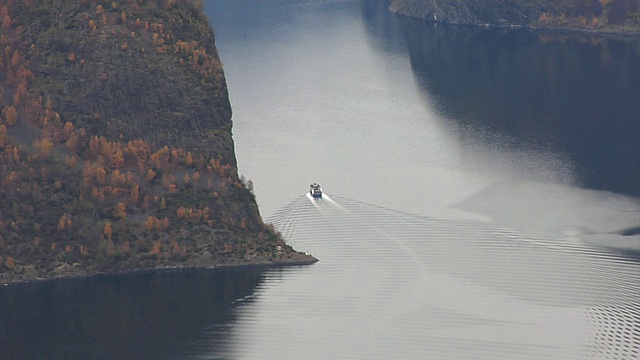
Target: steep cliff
x=619, y=16
x=116, y=150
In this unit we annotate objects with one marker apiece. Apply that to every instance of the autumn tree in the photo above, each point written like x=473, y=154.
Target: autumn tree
x=3, y=135
x=10, y=263
x=150, y=223
x=121, y=211
x=11, y=116
x=6, y=22
x=107, y=230
x=150, y=175
x=134, y=195
x=64, y=222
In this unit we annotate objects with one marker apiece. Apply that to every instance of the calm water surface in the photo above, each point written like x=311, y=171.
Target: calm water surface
x=482, y=201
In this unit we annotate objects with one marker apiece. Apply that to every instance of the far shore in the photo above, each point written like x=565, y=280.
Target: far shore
x=603, y=31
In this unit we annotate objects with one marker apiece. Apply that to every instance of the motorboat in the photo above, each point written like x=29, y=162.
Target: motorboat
x=315, y=190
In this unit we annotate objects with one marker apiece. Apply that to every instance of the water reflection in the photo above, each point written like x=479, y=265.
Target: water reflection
x=565, y=94
x=165, y=315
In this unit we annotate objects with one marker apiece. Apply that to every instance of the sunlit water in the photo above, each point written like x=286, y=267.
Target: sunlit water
x=395, y=285
x=481, y=182
x=481, y=201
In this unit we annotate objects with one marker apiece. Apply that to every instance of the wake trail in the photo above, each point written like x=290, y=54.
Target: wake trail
x=412, y=252
x=332, y=202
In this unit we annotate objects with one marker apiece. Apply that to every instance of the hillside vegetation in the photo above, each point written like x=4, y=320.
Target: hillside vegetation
x=115, y=143
x=612, y=16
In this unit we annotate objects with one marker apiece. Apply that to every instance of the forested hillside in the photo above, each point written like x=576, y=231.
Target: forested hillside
x=115, y=143
x=612, y=16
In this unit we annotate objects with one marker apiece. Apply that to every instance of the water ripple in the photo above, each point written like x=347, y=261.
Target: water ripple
x=394, y=285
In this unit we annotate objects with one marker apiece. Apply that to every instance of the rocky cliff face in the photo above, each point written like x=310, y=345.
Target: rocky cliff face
x=620, y=16
x=115, y=143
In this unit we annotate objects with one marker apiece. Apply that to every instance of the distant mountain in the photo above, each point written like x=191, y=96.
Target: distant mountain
x=614, y=16
x=115, y=143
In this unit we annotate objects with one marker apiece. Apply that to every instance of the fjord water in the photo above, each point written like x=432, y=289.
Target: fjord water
x=480, y=184
x=481, y=201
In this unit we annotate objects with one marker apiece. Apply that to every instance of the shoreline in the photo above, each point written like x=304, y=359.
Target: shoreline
x=267, y=264
x=534, y=27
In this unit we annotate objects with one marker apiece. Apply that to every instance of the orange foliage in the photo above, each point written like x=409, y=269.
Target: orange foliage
x=150, y=175
x=67, y=129
x=10, y=263
x=121, y=211
x=175, y=247
x=70, y=161
x=6, y=22
x=11, y=116
x=156, y=248
x=107, y=229
x=72, y=142
x=150, y=224
x=168, y=179
x=117, y=179
x=15, y=59
x=117, y=158
x=100, y=176
x=64, y=222
x=43, y=147
x=3, y=135
x=12, y=177
x=134, y=196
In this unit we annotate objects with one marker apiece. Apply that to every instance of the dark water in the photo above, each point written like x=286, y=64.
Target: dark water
x=569, y=94
x=170, y=315
x=482, y=201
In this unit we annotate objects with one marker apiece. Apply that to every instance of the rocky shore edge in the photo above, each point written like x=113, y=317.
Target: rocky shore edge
x=64, y=273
